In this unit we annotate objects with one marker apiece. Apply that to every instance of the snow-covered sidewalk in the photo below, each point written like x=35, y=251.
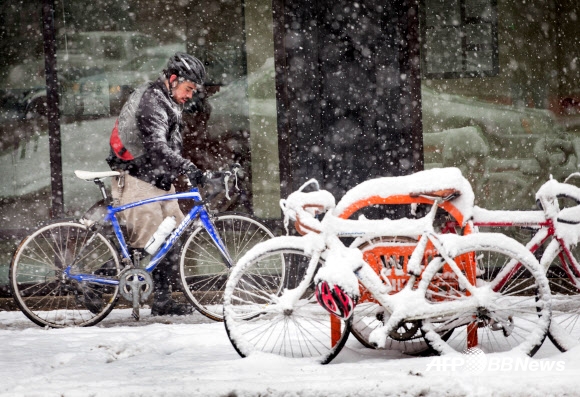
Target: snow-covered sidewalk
x=193, y=357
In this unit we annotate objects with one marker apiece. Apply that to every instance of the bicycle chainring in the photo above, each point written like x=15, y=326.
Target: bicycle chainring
x=137, y=281
x=406, y=330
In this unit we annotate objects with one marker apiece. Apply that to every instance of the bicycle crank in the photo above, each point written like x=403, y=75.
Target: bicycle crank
x=135, y=285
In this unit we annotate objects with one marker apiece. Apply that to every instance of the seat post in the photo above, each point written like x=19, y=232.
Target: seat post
x=101, y=185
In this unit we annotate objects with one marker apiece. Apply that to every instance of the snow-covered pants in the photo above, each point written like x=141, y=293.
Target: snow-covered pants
x=144, y=220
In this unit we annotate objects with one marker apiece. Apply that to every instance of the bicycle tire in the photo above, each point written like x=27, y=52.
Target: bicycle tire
x=260, y=315
x=564, y=285
x=202, y=269
x=42, y=291
x=515, y=315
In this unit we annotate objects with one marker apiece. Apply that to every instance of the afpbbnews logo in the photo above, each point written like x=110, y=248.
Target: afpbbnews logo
x=475, y=361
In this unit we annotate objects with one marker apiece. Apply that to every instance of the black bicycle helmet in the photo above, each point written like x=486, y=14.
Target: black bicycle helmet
x=187, y=67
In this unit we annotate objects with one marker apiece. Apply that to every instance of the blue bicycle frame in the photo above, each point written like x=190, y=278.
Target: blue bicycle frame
x=198, y=211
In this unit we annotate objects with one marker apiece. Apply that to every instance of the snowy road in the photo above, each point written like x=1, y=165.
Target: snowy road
x=193, y=357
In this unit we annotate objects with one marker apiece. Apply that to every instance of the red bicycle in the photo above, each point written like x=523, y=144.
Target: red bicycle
x=555, y=230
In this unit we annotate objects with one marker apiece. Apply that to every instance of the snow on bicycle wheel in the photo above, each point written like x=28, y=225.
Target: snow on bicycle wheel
x=280, y=316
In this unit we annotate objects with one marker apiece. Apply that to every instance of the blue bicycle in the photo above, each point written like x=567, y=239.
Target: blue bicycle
x=71, y=273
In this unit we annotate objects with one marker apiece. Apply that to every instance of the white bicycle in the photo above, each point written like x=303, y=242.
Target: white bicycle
x=442, y=299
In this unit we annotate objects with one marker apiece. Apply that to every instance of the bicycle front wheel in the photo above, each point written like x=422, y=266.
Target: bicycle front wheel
x=513, y=307
x=202, y=268
x=266, y=312
x=40, y=285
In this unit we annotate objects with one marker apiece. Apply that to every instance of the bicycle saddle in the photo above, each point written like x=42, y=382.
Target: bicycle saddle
x=91, y=176
x=443, y=194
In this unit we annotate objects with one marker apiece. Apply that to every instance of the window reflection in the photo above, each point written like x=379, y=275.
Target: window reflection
x=23, y=139
x=512, y=132
x=102, y=58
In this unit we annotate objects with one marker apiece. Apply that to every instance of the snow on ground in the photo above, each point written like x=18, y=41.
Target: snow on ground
x=192, y=356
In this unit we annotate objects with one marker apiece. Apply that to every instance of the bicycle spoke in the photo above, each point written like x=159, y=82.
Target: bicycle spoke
x=202, y=267
x=509, y=318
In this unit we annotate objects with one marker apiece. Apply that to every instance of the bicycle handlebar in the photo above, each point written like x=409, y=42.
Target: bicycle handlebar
x=218, y=181
x=551, y=191
x=303, y=207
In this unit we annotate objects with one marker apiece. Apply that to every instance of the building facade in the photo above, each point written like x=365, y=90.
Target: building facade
x=339, y=91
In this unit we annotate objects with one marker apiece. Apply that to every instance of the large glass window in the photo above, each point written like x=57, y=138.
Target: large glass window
x=105, y=49
x=460, y=38
x=24, y=154
x=510, y=132
x=234, y=120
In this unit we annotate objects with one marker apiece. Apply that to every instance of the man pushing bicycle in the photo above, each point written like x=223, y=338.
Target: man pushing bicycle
x=146, y=146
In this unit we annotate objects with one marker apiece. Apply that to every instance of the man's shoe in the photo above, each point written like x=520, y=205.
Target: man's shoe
x=171, y=308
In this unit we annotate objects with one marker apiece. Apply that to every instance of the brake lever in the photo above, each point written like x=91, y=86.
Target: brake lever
x=236, y=167
x=227, y=175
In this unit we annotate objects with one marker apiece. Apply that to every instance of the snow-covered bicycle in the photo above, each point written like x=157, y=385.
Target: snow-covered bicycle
x=442, y=297
x=554, y=232
x=71, y=273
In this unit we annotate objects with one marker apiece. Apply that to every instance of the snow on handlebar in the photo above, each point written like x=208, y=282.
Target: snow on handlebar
x=551, y=191
x=566, y=220
x=302, y=207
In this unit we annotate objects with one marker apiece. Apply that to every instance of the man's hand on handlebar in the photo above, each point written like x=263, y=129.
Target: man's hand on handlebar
x=196, y=176
x=214, y=181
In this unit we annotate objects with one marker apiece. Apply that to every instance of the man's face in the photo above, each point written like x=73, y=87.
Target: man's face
x=182, y=92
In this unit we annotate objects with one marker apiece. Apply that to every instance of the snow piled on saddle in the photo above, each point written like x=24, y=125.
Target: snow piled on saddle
x=422, y=182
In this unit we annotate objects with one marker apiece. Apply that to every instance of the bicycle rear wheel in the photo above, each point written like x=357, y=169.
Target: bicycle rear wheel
x=280, y=316
x=514, y=307
x=564, y=283
x=203, y=270
x=43, y=291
